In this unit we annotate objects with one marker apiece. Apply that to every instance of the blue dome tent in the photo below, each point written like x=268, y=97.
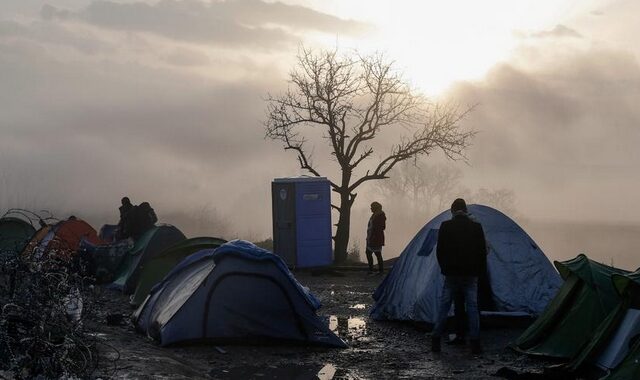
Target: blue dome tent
x=237, y=293
x=520, y=279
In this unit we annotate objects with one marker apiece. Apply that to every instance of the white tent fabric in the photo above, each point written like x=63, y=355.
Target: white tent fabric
x=521, y=278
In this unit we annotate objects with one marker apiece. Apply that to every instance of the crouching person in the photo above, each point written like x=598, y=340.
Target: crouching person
x=462, y=255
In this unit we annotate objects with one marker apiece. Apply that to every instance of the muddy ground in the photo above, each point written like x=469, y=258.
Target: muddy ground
x=377, y=350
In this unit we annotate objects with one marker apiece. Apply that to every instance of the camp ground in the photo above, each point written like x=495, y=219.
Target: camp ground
x=520, y=280
x=15, y=233
x=156, y=268
x=592, y=323
x=235, y=293
x=149, y=245
x=224, y=302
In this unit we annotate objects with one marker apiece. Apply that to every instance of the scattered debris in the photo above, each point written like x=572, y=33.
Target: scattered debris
x=41, y=329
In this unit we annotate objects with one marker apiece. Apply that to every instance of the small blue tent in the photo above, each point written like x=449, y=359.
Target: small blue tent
x=521, y=280
x=235, y=293
x=108, y=233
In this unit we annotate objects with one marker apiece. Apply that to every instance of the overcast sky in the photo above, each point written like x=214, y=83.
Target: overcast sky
x=163, y=100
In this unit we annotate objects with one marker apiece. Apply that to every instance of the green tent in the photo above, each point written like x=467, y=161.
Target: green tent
x=574, y=318
x=619, y=334
x=627, y=287
x=156, y=268
x=15, y=233
x=148, y=246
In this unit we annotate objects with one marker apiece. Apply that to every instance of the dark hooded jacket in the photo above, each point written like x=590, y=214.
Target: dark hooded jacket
x=462, y=249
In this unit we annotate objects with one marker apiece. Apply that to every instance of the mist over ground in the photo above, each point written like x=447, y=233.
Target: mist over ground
x=102, y=99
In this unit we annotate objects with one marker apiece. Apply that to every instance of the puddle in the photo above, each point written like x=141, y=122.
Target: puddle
x=327, y=372
x=299, y=372
x=359, y=306
x=351, y=328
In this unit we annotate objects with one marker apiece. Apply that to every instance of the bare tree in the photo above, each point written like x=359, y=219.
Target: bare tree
x=501, y=199
x=352, y=99
x=428, y=187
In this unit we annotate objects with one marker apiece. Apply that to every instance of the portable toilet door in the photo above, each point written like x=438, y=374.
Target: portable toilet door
x=302, y=221
x=284, y=220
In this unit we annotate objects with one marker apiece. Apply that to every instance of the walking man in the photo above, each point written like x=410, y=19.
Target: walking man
x=462, y=255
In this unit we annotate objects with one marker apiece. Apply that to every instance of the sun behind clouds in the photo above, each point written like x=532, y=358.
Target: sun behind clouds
x=439, y=42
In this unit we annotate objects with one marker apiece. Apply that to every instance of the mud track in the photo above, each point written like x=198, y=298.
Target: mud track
x=377, y=350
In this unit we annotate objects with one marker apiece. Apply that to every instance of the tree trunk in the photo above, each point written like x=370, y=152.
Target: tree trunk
x=341, y=240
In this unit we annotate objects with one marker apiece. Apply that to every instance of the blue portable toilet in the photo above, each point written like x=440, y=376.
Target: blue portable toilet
x=302, y=221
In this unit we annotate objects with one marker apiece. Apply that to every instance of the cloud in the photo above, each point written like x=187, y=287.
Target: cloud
x=90, y=114
x=245, y=23
x=256, y=12
x=615, y=26
x=559, y=31
x=80, y=130
x=187, y=57
x=86, y=42
x=561, y=131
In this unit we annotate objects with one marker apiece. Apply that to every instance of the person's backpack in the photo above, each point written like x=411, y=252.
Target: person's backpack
x=147, y=214
x=153, y=218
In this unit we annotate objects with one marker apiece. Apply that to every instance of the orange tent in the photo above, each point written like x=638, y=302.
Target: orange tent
x=35, y=241
x=62, y=239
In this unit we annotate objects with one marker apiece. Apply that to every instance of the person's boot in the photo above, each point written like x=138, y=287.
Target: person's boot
x=476, y=348
x=435, y=344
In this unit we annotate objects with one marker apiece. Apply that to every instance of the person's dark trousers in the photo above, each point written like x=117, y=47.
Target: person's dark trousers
x=460, y=318
x=370, y=259
x=453, y=285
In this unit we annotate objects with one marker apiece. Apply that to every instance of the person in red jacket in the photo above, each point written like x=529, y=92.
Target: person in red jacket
x=375, y=236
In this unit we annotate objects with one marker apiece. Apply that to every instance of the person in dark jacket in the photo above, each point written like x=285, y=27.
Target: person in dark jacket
x=125, y=216
x=462, y=255
x=375, y=236
x=126, y=206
